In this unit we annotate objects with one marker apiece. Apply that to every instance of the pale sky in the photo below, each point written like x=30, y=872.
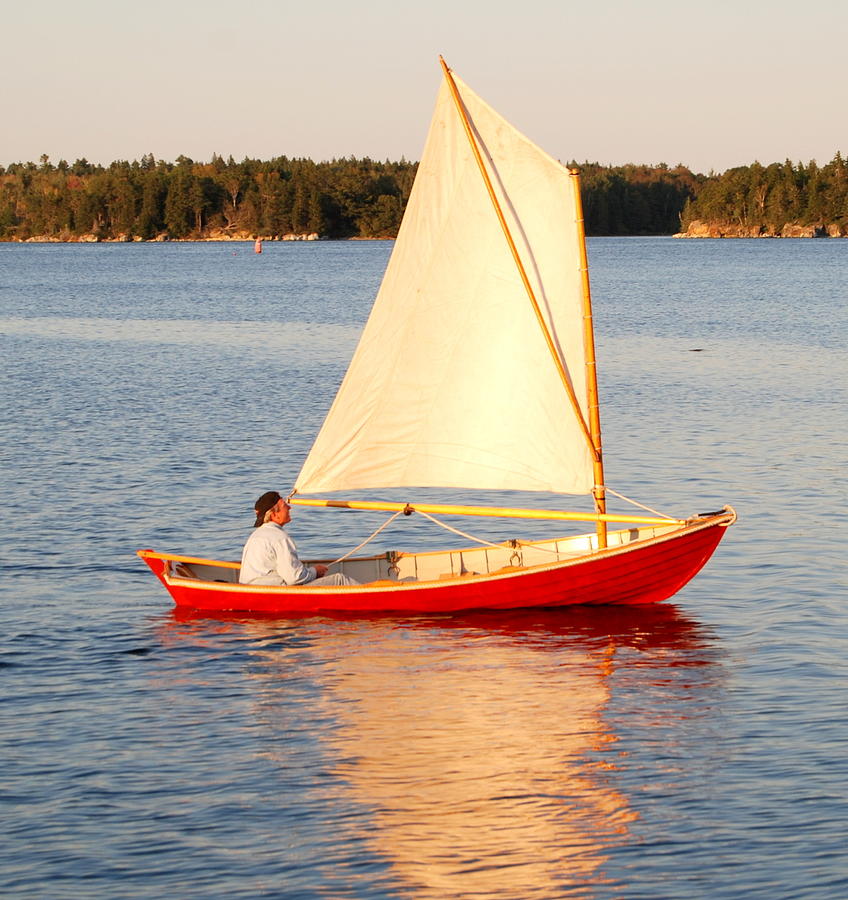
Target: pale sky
x=710, y=85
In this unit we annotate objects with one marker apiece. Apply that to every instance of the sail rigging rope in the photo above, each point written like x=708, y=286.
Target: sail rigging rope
x=477, y=540
x=468, y=537
x=368, y=539
x=463, y=534
x=609, y=490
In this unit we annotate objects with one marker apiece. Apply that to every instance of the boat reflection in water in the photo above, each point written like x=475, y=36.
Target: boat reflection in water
x=474, y=749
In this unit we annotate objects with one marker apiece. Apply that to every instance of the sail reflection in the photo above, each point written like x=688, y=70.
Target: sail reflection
x=476, y=746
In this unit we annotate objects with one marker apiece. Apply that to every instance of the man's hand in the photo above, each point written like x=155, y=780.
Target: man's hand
x=320, y=570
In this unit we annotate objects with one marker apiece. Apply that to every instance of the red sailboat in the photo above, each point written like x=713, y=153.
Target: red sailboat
x=475, y=371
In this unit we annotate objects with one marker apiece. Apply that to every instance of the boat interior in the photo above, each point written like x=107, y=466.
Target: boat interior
x=396, y=566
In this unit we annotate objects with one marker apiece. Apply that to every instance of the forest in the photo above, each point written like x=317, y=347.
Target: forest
x=781, y=199
x=284, y=198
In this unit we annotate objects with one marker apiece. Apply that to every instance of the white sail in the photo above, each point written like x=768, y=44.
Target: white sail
x=453, y=384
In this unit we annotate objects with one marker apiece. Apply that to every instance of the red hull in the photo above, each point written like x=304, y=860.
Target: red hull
x=646, y=571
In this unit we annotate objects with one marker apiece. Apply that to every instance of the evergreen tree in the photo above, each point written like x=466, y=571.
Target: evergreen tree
x=299, y=211
x=178, y=204
x=122, y=205
x=151, y=216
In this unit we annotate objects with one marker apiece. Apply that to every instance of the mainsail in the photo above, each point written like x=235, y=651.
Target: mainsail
x=452, y=383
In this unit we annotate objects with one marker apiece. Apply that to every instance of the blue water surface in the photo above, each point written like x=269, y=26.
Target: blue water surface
x=148, y=394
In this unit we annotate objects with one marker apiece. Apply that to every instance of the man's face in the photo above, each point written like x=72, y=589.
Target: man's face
x=281, y=513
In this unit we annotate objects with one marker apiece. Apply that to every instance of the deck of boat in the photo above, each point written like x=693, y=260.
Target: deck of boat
x=439, y=565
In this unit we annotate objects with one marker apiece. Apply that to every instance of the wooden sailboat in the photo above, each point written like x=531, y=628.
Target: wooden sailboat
x=475, y=371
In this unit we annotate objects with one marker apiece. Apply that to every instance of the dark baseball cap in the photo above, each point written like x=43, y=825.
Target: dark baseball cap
x=267, y=501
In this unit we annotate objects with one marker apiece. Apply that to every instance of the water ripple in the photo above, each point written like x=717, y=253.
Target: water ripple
x=695, y=750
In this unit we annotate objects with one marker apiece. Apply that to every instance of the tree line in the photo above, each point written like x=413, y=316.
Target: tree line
x=151, y=199
x=767, y=200
x=345, y=198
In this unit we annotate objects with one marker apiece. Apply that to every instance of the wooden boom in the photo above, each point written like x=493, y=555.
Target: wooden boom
x=492, y=511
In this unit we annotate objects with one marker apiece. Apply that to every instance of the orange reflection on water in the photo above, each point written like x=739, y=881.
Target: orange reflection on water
x=476, y=764
x=477, y=744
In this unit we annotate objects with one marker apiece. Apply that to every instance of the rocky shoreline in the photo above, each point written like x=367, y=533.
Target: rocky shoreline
x=699, y=229
x=696, y=229
x=214, y=235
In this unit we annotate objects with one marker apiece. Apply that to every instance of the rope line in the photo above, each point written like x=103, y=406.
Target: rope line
x=517, y=544
x=468, y=537
x=368, y=539
x=609, y=490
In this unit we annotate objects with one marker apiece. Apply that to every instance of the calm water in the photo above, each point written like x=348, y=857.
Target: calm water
x=698, y=749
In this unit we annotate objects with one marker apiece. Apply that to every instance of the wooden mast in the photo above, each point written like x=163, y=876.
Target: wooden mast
x=599, y=490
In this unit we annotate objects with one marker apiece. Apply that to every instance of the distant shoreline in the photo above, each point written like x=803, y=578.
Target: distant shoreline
x=162, y=239
x=703, y=229
x=698, y=229
x=715, y=232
